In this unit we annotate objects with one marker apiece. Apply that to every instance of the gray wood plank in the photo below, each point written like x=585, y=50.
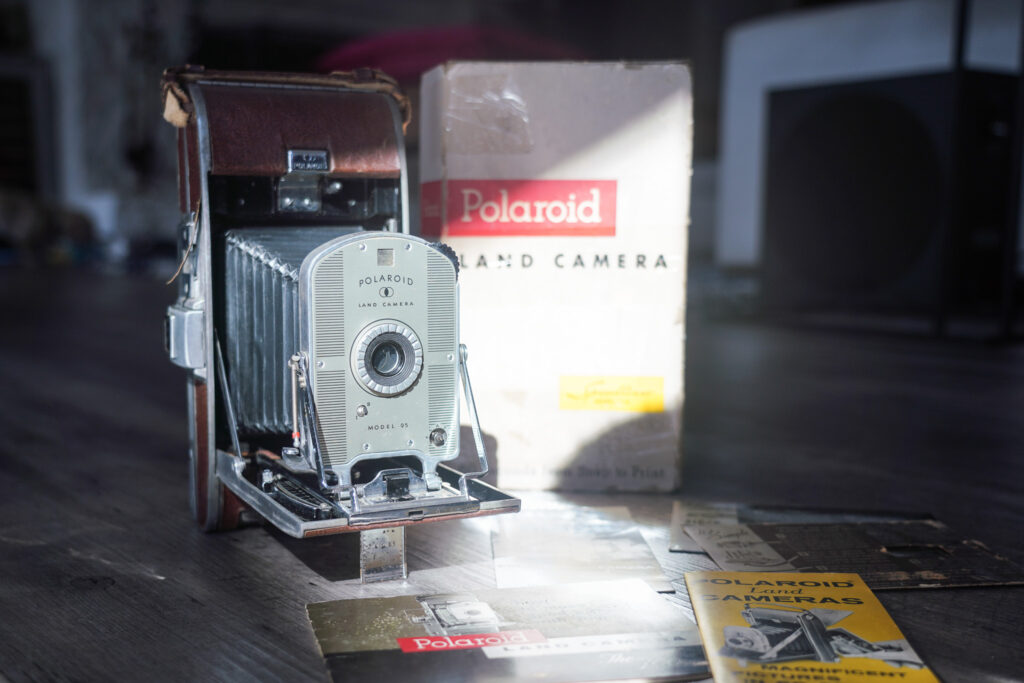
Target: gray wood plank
x=103, y=575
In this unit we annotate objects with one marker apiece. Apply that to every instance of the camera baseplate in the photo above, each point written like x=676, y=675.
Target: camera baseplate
x=483, y=499
x=380, y=524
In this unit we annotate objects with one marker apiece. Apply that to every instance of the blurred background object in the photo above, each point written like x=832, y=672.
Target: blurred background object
x=867, y=160
x=82, y=129
x=826, y=152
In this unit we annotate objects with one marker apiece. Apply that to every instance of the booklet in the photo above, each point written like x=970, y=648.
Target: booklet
x=907, y=554
x=767, y=627
x=599, y=631
x=697, y=513
x=553, y=545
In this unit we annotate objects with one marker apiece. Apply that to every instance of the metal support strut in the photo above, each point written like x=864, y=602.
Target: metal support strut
x=467, y=389
x=382, y=554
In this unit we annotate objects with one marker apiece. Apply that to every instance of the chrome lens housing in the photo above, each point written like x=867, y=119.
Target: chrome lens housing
x=387, y=358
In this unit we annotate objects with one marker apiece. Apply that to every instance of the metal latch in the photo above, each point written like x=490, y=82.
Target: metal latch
x=184, y=336
x=299, y=189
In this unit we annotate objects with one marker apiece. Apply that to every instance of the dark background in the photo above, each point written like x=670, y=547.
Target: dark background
x=849, y=215
x=82, y=126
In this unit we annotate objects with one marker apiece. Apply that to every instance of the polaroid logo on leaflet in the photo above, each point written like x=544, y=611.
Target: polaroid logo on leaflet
x=531, y=207
x=444, y=643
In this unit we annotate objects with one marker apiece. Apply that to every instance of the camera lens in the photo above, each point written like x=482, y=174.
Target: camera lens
x=387, y=359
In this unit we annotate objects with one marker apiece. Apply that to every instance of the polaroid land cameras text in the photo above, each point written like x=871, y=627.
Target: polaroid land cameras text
x=321, y=339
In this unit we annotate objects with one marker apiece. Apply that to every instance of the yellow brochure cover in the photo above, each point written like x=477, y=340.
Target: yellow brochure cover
x=775, y=627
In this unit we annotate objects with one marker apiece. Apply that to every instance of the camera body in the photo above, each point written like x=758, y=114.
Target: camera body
x=321, y=339
x=384, y=350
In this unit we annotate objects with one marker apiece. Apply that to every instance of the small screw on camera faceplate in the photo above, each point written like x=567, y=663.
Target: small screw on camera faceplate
x=438, y=437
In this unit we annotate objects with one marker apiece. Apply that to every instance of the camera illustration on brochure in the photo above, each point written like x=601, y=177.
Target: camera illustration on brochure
x=321, y=338
x=778, y=634
x=455, y=615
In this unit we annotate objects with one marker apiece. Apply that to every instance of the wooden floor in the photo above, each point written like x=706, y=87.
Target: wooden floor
x=103, y=576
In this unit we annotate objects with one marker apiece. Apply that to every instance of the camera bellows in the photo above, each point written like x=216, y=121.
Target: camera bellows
x=262, y=318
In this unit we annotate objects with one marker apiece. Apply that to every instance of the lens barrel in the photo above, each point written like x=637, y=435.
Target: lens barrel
x=387, y=358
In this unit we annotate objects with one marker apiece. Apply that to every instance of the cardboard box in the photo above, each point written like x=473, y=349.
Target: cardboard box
x=564, y=188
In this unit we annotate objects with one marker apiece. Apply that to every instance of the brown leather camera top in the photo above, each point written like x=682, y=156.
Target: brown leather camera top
x=254, y=118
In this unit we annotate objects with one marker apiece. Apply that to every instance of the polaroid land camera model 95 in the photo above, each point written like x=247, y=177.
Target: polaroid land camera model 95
x=322, y=340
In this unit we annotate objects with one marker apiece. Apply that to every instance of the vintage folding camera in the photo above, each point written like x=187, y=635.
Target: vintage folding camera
x=321, y=339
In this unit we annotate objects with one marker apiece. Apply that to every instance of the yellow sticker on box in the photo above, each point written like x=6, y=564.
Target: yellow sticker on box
x=617, y=393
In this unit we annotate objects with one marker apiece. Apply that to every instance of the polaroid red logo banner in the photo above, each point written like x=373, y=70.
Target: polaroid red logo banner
x=480, y=208
x=444, y=643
